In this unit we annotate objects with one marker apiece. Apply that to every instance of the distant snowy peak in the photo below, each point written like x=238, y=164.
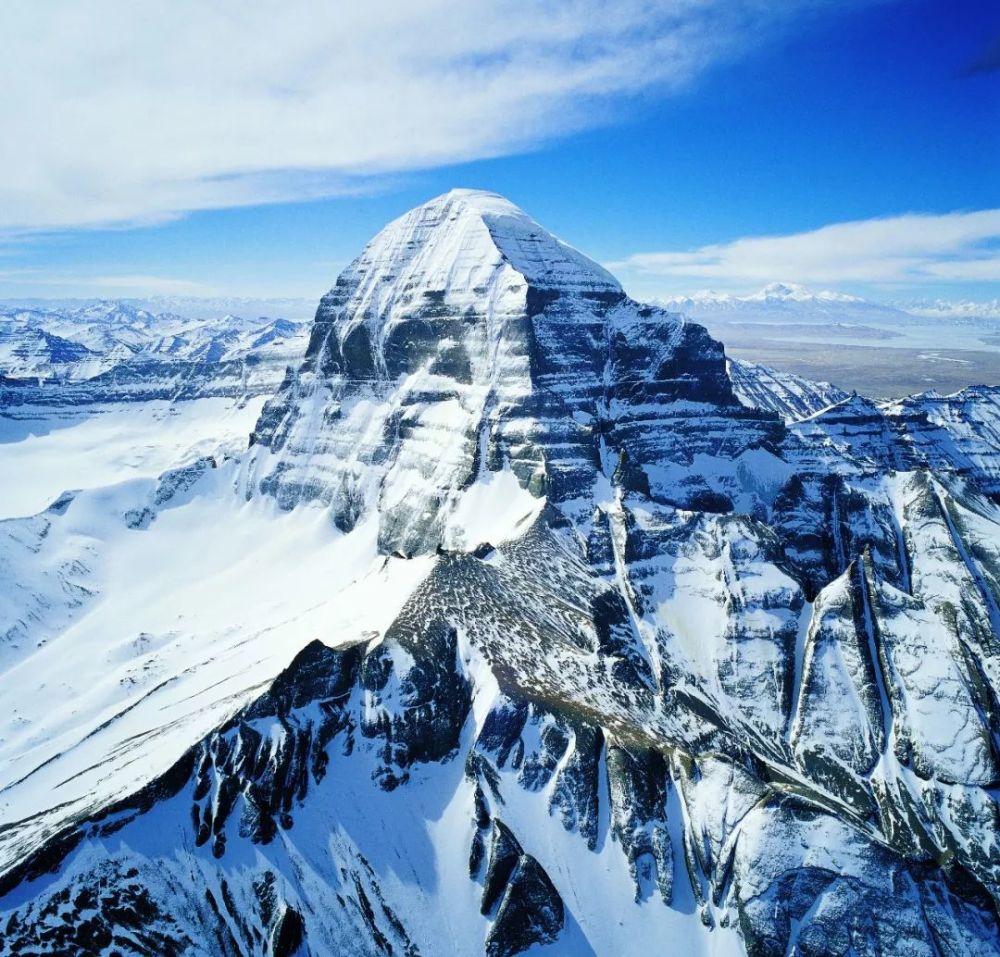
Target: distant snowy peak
x=29, y=352
x=794, y=292
x=785, y=302
x=230, y=337
x=772, y=292
x=296, y=309
x=791, y=302
x=112, y=311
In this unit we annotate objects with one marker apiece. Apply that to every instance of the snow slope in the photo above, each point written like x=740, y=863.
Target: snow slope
x=67, y=448
x=157, y=614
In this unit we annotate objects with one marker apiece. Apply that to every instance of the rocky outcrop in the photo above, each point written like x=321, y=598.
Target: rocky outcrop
x=789, y=395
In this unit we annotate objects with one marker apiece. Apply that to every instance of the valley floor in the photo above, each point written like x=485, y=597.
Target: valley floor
x=886, y=373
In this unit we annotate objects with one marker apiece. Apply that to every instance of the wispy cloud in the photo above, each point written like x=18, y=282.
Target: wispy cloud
x=104, y=286
x=912, y=249
x=115, y=111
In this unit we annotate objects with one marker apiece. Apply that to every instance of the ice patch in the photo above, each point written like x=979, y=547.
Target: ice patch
x=494, y=509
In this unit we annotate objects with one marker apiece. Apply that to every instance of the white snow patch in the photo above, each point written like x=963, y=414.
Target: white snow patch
x=46, y=451
x=187, y=621
x=493, y=509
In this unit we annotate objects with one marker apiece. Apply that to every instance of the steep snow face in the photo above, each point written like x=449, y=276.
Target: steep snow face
x=587, y=654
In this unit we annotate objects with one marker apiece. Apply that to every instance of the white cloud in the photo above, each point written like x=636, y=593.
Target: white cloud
x=912, y=249
x=152, y=285
x=104, y=286
x=116, y=111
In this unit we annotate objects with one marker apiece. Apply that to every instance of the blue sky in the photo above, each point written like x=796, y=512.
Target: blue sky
x=720, y=169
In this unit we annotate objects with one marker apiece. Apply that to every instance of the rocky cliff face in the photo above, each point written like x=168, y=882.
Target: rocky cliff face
x=466, y=341
x=789, y=395
x=676, y=671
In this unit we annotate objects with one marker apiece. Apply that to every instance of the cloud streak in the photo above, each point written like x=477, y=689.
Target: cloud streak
x=117, y=285
x=912, y=249
x=116, y=111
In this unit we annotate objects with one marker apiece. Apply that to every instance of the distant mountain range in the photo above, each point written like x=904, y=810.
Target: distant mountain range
x=792, y=303
x=945, y=309
x=297, y=309
x=114, y=350
x=828, y=336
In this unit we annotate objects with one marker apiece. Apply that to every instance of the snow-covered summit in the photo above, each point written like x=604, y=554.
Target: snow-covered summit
x=543, y=259
x=459, y=248
x=795, y=292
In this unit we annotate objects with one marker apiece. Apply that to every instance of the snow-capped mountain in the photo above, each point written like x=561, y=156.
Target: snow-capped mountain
x=110, y=331
x=792, y=303
x=121, y=342
x=514, y=630
x=780, y=302
x=33, y=352
x=228, y=337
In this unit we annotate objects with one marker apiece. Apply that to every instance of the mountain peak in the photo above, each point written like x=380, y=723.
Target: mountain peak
x=796, y=292
x=476, y=342
x=483, y=200
x=463, y=254
x=455, y=246
x=782, y=290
